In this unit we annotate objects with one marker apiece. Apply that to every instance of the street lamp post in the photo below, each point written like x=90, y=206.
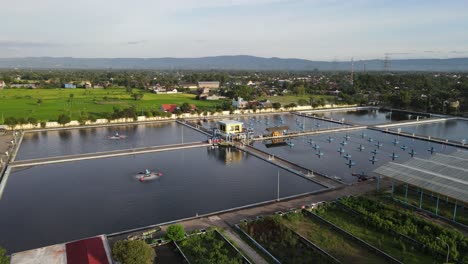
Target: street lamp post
x=448, y=249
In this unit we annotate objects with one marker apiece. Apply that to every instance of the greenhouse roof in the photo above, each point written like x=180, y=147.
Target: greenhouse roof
x=446, y=174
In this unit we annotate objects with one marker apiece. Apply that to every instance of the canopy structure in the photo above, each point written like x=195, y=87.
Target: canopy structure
x=445, y=174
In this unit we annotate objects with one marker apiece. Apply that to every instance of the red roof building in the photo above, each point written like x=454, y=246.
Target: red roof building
x=94, y=250
x=170, y=108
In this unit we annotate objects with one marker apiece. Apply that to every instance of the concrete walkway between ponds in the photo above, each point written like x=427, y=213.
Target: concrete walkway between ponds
x=250, y=253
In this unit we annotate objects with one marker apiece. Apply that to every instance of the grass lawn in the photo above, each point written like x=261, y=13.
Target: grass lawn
x=385, y=241
x=287, y=99
x=24, y=102
x=338, y=245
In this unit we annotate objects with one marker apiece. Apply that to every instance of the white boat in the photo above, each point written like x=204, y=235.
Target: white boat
x=148, y=175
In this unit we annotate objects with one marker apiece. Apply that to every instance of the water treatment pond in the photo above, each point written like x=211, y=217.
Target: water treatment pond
x=333, y=163
x=88, y=140
x=48, y=204
x=293, y=122
x=454, y=130
x=367, y=116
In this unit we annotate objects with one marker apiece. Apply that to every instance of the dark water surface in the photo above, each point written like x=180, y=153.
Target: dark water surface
x=49, y=204
x=454, y=130
x=88, y=140
x=334, y=164
x=367, y=116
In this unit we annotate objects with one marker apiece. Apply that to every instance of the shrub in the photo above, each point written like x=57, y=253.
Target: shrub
x=175, y=232
x=133, y=252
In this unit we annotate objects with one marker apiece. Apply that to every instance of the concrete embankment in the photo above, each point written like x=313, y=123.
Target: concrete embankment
x=107, y=154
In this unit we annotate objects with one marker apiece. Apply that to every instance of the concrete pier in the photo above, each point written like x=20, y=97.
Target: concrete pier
x=415, y=122
x=196, y=127
x=314, y=176
x=326, y=119
x=106, y=154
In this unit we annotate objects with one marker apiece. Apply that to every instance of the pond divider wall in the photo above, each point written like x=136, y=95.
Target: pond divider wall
x=260, y=247
x=182, y=253
x=246, y=260
x=346, y=233
x=215, y=213
x=265, y=156
x=4, y=179
x=315, y=247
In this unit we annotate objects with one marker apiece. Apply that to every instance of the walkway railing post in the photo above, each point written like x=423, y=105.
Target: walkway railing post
x=437, y=205
x=455, y=211
x=420, y=199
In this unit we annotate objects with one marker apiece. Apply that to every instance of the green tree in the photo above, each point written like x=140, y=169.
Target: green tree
x=39, y=101
x=32, y=120
x=302, y=102
x=133, y=252
x=175, y=232
x=185, y=108
x=11, y=121
x=4, y=259
x=276, y=105
x=138, y=96
x=63, y=119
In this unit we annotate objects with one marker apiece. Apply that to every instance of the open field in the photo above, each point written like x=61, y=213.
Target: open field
x=338, y=245
x=24, y=102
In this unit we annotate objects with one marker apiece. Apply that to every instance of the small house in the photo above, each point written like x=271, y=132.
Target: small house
x=209, y=85
x=69, y=86
x=230, y=126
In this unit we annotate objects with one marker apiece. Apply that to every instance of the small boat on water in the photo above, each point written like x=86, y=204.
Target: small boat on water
x=149, y=175
x=117, y=136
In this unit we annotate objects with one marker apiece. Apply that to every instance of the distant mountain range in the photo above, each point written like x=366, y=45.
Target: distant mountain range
x=241, y=62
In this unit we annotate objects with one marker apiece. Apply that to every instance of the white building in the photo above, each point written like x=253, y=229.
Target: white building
x=239, y=103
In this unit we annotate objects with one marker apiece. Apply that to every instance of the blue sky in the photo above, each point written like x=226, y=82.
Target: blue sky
x=309, y=29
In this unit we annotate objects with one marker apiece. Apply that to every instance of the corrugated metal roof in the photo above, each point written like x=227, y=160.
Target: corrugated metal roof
x=443, y=174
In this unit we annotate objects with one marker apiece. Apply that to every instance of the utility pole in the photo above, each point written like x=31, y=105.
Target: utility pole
x=386, y=64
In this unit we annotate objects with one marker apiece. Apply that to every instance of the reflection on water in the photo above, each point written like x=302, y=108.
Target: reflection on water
x=368, y=116
x=226, y=155
x=454, y=130
x=88, y=140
